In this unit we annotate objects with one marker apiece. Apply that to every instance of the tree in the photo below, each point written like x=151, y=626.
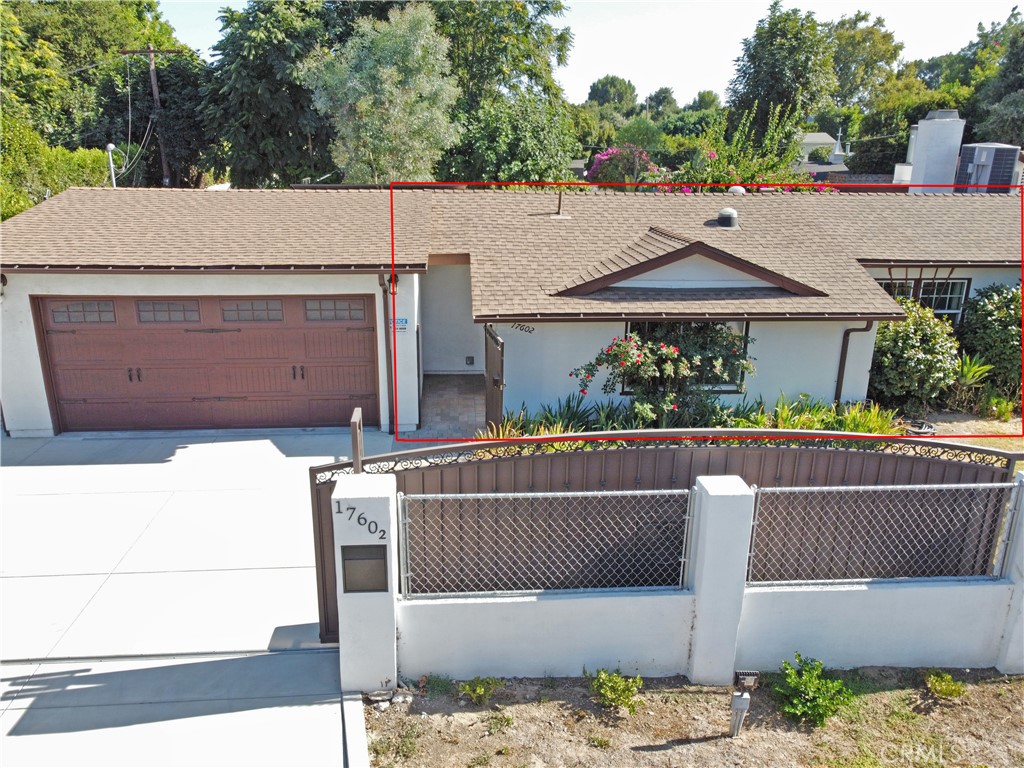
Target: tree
x=82, y=42
x=704, y=100
x=615, y=92
x=520, y=137
x=1003, y=95
x=864, y=53
x=32, y=170
x=388, y=93
x=641, y=132
x=689, y=122
x=660, y=104
x=671, y=369
x=787, y=62
x=255, y=103
x=499, y=46
x=900, y=102
x=742, y=157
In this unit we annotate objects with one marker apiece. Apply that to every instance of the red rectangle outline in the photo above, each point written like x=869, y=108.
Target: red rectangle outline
x=821, y=187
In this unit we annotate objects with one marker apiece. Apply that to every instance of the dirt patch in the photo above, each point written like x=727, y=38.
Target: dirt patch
x=552, y=722
x=970, y=426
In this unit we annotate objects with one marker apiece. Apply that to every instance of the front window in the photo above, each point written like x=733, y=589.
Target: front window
x=732, y=360
x=944, y=297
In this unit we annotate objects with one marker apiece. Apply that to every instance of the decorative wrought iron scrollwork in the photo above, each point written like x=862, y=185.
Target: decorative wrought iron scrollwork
x=484, y=451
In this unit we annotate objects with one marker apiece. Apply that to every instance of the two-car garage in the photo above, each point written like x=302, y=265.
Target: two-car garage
x=186, y=362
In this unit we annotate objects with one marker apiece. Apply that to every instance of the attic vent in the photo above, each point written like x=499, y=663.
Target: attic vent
x=728, y=218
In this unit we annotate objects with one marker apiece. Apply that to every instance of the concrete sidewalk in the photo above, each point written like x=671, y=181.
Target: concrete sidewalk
x=158, y=600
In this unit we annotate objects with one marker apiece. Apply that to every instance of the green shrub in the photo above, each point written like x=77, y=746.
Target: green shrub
x=401, y=746
x=966, y=390
x=992, y=326
x=480, y=689
x=941, y=685
x=614, y=691
x=995, y=407
x=806, y=695
x=820, y=154
x=915, y=360
x=808, y=413
x=437, y=685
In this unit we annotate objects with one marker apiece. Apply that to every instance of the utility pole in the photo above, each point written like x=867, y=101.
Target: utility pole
x=164, y=166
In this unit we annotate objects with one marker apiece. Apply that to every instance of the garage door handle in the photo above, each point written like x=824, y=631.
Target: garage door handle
x=129, y=374
x=138, y=374
x=213, y=330
x=302, y=372
x=294, y=369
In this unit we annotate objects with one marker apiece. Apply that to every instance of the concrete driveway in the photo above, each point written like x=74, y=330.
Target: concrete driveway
x=158, y=600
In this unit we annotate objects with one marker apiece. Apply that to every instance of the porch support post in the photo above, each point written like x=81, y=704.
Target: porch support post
x=364, y=509
x=723, y=516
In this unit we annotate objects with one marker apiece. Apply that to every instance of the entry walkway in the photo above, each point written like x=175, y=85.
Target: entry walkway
x=158, y=600
x=452, y=407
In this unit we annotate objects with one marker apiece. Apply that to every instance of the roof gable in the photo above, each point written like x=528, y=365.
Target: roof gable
x=666, y=261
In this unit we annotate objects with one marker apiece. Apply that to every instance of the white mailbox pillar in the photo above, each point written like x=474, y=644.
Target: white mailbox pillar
x=365, y=513
x=724, y=513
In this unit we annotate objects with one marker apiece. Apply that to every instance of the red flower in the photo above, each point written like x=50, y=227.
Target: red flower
x=675, y=407
x=623, y=364
x=583, y=391
x=588, y=375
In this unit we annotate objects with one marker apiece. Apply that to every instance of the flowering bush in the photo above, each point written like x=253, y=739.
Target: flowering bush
x=742, y=159
x=671, y=369
x=915, y=359
x=991, y=327
x=620, y=164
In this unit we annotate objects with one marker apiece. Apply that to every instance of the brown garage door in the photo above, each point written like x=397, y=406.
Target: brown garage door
x=210, y=362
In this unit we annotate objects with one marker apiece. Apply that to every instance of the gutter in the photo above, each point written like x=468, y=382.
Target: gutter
x=843, y=351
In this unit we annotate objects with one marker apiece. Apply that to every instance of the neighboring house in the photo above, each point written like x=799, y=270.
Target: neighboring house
x=150, y=308
x=812, y=141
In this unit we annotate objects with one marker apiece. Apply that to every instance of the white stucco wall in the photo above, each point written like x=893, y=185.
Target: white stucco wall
x=554, y=634
x=22, y=391
x=449, y=333
x=803, y=358
x=407, y=386
x=790, y=357
x=905, y=624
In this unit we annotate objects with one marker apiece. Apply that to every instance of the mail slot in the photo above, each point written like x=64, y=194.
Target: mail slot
x=365, y=568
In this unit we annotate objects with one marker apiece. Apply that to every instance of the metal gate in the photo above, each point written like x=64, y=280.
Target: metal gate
x=494, y=365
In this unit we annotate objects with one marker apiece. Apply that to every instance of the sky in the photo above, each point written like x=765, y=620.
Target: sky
x=686, y=45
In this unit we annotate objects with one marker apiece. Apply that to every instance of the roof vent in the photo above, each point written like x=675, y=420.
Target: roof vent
x=728, y=218
x=737, y=190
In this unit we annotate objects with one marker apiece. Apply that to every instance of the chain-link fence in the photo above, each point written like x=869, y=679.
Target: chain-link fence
x=909, y=531
x=542, y=541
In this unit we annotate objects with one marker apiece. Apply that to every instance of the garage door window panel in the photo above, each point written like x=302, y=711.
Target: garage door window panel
x=253, y=311
x=168, y=311
x=69, y=312
x=335, y=309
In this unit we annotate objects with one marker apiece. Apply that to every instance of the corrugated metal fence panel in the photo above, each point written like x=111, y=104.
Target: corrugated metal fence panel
x=652, y=468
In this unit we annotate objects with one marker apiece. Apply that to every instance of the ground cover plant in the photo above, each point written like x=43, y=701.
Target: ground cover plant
x=892, y=718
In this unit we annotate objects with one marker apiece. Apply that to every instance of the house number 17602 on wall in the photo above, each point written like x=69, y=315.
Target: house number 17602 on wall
x=351, y=515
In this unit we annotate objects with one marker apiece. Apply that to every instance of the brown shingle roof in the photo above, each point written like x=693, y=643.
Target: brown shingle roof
x=187, y=228
x=521, y=255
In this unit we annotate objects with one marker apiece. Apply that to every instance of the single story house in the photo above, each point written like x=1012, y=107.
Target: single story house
x=156, y=308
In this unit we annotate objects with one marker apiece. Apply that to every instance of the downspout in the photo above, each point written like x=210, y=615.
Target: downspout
x=844, y=351
x=388, y=357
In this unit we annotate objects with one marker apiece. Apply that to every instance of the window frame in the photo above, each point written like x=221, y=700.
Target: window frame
x=741, y=327
x=65, y=306
x=184, y=310
x=917, y=290
x=267, y=300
